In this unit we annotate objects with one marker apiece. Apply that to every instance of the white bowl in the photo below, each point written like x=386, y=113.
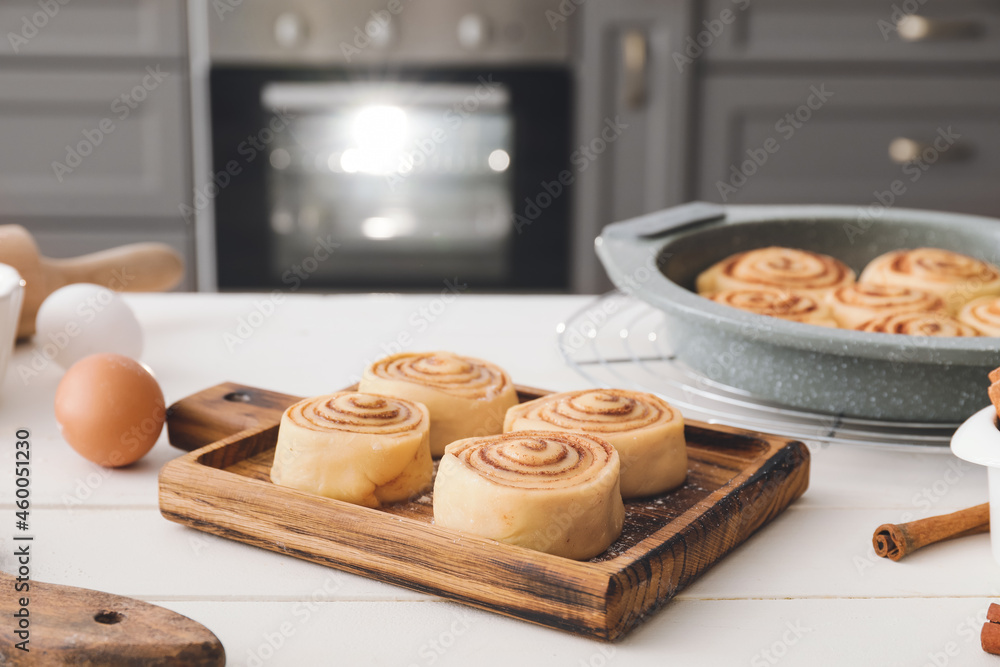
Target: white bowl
x=977, y=441
x=11, y=296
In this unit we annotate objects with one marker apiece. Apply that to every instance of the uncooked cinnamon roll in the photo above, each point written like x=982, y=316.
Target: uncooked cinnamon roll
x=853, y=305
x=466, y=397
x=956, y=278
x=919, y=324
x=983, y=314
x=544, y=490
x=779, y=303
x=647, y=432
x=360, y=448
x=788, y=269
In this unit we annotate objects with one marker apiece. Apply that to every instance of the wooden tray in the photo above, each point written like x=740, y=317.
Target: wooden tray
x=737, y=482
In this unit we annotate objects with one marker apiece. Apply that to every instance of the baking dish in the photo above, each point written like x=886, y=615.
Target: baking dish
x=656, y=257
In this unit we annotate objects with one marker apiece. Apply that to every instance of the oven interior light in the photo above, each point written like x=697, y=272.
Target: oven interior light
x=379, y=133
x=499, y=160
x=350, y=160
x=384, y=227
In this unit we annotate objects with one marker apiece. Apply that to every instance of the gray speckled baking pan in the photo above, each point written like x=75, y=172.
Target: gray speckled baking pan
x=880, y=376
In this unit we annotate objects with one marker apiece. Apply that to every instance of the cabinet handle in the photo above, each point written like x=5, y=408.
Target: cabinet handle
x=916, y=28
x=634, y=64
x=903, y=150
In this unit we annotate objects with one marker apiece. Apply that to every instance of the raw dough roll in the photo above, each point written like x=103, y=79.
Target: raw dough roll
x=466, y=397
x=544, y=490
x=777, y=303
x=983, y=314
x=920, y=324
x=646, y=431
x=853, y=305
x=957, y=279
x=359, y=448
x=788, y=269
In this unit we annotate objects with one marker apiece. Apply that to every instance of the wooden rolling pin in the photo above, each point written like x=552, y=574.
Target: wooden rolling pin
x=65, y=625
x=139, y=267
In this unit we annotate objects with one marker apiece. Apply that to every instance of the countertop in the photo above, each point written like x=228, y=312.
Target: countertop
x=805, y=590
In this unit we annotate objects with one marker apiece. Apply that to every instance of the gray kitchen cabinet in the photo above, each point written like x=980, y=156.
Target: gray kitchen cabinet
x=94, y=97
x=868, y=31
x=632, y=103
x=93, y=28
x=917, y=142
x=74, y=146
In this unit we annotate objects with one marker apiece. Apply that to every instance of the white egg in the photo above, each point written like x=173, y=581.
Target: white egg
x=83, y=319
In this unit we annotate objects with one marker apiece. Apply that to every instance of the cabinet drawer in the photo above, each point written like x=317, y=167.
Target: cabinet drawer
x=130, y=161
x=93, y=28
x=840, y=152
x=850, y=30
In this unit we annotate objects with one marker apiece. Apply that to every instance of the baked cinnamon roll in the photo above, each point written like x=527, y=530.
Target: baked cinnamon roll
x=360, y=448
x=775, y=302
x=983, y=314
x=853, y=305
x=799, y=271
x=919, y=324
x=543, y=490
x=956, y=278
x=647, y=432
x=466, y=397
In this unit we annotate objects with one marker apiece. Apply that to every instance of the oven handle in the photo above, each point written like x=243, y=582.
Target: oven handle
x=488, y=95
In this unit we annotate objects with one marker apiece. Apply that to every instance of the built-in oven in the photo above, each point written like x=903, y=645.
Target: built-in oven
x=391, y=144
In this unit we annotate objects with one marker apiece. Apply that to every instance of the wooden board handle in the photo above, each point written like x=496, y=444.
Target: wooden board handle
x=138, y=267
x=221, y=411
x=79, y=626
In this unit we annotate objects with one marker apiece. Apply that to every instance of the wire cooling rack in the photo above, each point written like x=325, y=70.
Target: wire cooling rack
x=619, y=341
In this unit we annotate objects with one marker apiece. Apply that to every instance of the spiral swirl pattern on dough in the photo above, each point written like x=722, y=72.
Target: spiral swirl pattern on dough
x=598, y=411
x=647, y=432
x=356, y=413
x=784, y=268
x=461, y=376
x=537, y=459
x=856, y=304
x=919, y=324
x=466, y=397
x=556, y=492
x=778, y=303
x=983, y=314
x=357, y=447
x=955, y=277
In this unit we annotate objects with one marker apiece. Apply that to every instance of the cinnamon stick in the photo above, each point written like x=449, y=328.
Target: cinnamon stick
x=990, y=636
x=893, y=541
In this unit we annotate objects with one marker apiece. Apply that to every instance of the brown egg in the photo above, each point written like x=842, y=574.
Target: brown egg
x=110, y=409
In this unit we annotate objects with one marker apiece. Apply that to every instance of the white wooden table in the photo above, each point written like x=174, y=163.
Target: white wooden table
x=806, y=590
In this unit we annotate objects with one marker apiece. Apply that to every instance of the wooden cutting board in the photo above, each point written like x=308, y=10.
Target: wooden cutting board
x=737, y=482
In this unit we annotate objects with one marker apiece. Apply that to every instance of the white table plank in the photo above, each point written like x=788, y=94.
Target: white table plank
x=758, y=633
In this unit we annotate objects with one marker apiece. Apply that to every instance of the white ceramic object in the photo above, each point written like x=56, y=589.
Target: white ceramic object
x=11, y=298
x=83, y=319
x=977, y=441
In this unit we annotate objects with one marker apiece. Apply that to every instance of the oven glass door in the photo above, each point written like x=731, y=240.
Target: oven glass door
x=393, y=183
x=409, y=180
